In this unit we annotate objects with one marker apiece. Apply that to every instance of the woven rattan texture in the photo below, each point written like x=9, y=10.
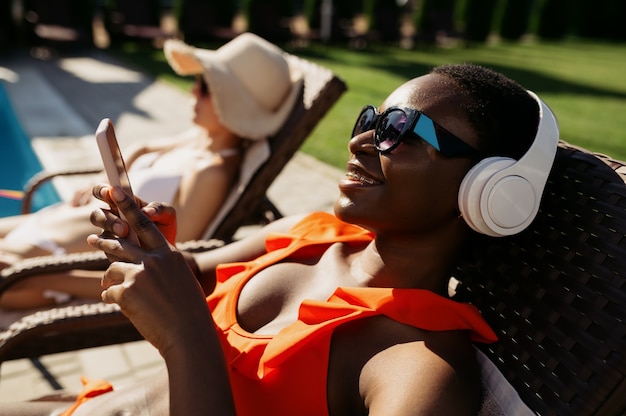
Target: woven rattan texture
x=38, y=334
x=555, y=292
x=68, y=328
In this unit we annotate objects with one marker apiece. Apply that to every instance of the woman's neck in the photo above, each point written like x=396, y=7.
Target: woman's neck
x=221, y=140
x=424, y=263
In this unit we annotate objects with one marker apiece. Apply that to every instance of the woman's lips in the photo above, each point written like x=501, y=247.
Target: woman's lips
x=361, y=177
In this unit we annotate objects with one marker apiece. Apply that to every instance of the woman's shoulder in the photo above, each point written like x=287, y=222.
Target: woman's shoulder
x=415, y=366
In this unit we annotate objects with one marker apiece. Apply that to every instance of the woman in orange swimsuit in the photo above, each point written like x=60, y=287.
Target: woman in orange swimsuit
x=332, y=314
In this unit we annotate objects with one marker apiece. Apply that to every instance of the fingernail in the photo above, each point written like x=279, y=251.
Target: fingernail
x=118, y=229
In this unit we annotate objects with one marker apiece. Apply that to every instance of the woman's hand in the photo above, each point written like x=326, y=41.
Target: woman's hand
x=152, y=284
x=161, y=214
x=82, y=197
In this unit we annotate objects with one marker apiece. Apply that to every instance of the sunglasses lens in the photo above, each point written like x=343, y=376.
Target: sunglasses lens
x=365, y=121
x=388, y=132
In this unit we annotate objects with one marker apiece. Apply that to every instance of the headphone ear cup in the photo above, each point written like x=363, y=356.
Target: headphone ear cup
x=495, y=199
x=500, y=196
x=476, y=195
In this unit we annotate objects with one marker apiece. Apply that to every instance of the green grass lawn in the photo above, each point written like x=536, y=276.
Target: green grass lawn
x=583, y=82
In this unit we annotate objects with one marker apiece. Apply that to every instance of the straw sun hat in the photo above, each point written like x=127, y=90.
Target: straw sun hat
x=252, y=86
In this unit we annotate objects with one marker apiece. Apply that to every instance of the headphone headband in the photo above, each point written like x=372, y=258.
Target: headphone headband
x=543, y=149
x=500, y=196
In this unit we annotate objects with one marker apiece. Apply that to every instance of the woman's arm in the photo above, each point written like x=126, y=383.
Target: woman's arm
x=437, y=375
x=156, y=290
x=204, y=264
x=134, y=151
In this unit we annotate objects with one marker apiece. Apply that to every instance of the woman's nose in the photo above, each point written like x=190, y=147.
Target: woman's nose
x=195, y=89
x=362, y=142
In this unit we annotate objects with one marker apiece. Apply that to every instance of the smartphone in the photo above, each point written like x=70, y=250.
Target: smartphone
x=114, y=165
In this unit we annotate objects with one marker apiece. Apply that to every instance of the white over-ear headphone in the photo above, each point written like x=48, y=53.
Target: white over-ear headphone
x=500, y=196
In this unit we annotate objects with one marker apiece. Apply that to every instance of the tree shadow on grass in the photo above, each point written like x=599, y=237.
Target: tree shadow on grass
x=387, y=60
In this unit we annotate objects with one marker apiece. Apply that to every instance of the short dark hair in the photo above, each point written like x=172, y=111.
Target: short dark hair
x=504, y=115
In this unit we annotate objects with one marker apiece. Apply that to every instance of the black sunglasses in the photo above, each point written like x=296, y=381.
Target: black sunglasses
x=394, y=124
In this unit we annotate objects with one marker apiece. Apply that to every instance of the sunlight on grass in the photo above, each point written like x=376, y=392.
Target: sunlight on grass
x=582, y=81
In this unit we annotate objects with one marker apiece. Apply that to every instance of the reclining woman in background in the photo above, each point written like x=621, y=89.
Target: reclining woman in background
x=244, y=91
x=332, y=314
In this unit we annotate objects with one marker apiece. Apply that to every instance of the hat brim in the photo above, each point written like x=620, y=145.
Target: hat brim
x=243, y=116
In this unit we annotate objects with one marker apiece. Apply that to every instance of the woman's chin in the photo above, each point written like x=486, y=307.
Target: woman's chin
x=346, y=209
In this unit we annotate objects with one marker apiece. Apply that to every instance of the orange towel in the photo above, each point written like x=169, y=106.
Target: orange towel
x=7, y=193
x=91, y=388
